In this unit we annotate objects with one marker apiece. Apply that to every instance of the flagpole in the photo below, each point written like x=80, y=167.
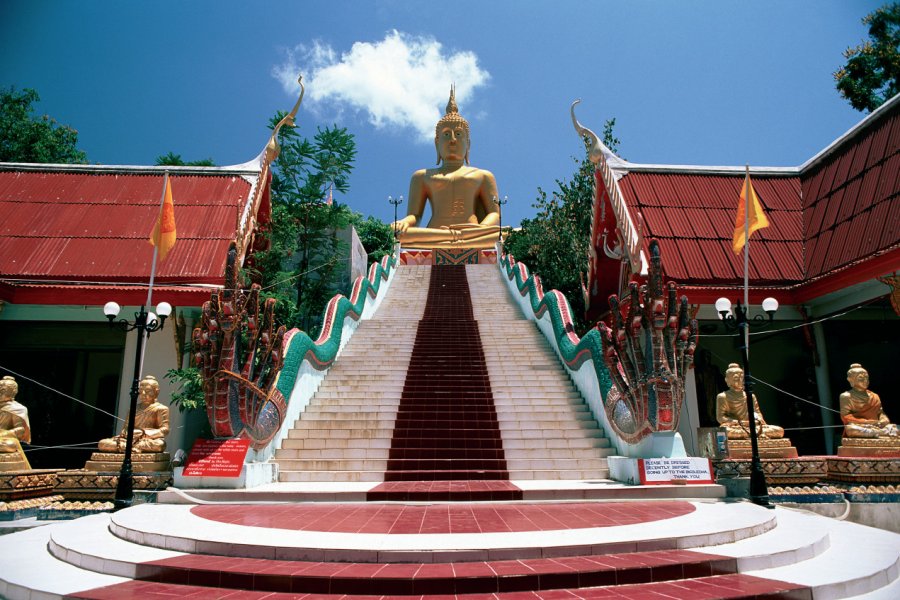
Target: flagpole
x=149, y=302
x=747, y=200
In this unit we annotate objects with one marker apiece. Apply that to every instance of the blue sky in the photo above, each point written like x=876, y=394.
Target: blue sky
x=695, y=82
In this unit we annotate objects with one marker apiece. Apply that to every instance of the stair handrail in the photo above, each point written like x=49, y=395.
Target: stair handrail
x=303, y=354
x=574, y=350
x=261, y=407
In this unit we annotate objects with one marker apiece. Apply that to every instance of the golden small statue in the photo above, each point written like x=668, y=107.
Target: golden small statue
x=14, y=424
x=464, y=214
x=861, y=409
x=151, y=423
x=731, y=409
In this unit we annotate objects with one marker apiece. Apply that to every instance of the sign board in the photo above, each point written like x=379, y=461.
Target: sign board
x=687, y=470
x=216, y=458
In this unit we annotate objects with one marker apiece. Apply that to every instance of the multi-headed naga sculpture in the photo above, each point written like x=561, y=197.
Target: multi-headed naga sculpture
x=239, y=352
x=648, y=348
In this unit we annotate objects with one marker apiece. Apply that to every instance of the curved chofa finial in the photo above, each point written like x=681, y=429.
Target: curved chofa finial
x=272, y=148
x=597, y=147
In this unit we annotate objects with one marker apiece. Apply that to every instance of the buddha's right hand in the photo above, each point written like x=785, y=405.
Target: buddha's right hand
x=399, y=226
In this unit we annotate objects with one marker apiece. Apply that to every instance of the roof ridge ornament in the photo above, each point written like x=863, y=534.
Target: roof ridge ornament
x=630, y=229
x=596, y=150
x=273, y=149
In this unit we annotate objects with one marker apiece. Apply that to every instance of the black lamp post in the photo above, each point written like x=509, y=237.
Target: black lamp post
x=759, y=493
x=396, y=202
x=145, y=323
x=500, y=204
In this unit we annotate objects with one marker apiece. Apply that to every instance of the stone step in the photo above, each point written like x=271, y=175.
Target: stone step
x=286, y=476
x=323, y=442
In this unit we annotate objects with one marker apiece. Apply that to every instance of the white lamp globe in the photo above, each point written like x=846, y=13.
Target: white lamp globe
x=164, y=309
x=723, y=305
x=770, y=305
x=111, y=309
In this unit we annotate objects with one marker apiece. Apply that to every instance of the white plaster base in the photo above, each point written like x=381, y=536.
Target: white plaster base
x=252, y=475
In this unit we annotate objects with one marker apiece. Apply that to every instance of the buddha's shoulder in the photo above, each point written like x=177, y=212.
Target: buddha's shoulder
x=467, y=171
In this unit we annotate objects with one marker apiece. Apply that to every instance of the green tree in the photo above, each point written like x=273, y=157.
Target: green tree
x=304, y=255
x=554, y=244
x=171, y=159
x=871, y=75
x=25, y=137
x=375, y=235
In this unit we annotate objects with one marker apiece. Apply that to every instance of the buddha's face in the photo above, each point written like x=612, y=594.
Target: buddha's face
x=148, y=390
x=859, y=379
x=452, y=142
x=735, y=380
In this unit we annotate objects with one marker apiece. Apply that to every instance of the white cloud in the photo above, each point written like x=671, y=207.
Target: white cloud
x=403, y=81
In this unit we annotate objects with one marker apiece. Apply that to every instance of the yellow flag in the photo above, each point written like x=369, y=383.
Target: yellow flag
x=757, y=217
x=163, y=235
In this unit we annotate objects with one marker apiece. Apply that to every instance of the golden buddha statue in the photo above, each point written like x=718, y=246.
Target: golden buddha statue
x=861, y=409
x=464, y=214
x=731, y=409
x=14, y=424
x=151, y=423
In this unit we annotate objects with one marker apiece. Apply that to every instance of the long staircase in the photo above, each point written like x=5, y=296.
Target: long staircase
x=447, y=383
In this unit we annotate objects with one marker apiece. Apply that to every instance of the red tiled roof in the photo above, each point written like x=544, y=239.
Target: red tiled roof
x=66, y=229
x=692, y=215
x=834, y=221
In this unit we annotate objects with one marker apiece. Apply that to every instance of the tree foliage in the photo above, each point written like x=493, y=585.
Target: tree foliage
x=871, y=75
x=170, y=159
x=375, y=235
x=555, y=243
x=304, y=255
x=26, y=137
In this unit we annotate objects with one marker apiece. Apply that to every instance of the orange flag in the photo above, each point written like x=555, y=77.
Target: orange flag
x=163, y=235
x=757, y=217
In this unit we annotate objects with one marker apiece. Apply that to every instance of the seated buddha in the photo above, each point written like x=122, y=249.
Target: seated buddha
x=151, y=423
x=463, y=212
x=14, y=424
x=861, y=409
x=731, y=409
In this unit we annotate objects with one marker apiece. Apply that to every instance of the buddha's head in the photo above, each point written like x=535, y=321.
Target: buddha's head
x=8, y=389
x=734, y=377
x=148, y=389
x=858, y=377
x=451, y=134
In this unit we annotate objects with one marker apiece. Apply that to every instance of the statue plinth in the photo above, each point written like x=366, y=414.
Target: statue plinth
x=869, y=447
x=14, y=461
x=768, y=448
x=143, y=462
x=864, y=469
x=82, y=484
x=446, y=256
x=778, y=471
x=29, y=483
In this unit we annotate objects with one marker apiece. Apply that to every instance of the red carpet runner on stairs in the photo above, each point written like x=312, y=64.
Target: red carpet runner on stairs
x=447, y=443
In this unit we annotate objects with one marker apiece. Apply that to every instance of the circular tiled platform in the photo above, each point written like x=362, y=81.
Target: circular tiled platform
x=444, y=518
x=428, y=533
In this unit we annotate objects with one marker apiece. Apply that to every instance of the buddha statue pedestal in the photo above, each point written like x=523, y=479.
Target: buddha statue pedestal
x=84, y=484
x=27, y=483
x=768, y=448
x=447, y=256
x=778, y=471
x=141, y=463
x=14, y=461
x=97, y=481
x=869, y=447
